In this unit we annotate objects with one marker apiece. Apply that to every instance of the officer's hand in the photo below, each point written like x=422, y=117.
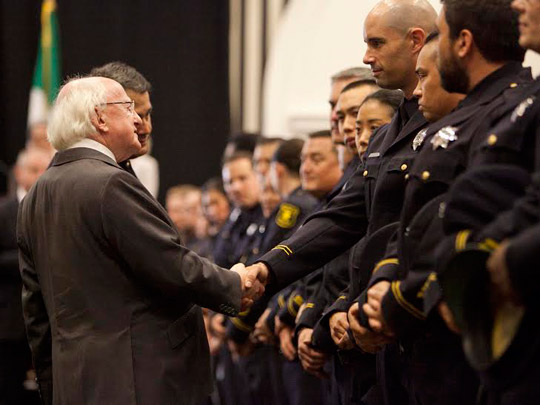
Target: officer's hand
x=367, y=340
x=373, y=307
x=448, y=317
x=338, y=330
x=262, y=332
x=286, y=342
x=300, y=311
x=499, y=275
x=312, y=360
x=258, y=271
x=252, y=288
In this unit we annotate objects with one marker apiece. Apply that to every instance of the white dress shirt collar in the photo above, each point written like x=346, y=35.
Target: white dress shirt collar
x=91, y=144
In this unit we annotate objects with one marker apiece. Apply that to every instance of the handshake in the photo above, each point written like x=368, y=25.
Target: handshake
x=254, y=279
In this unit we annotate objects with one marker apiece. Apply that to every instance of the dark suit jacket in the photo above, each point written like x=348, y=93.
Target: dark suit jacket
x=109, y=289
x=11, y=320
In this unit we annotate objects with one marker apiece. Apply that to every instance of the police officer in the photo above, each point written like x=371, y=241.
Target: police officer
x=373, y=197
x=489, y=70
x=243, y=189
x=513, y=235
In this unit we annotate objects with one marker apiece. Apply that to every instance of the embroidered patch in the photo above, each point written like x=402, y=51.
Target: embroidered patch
x=287, y=215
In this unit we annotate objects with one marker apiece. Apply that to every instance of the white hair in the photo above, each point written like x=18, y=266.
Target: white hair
x=71, y=118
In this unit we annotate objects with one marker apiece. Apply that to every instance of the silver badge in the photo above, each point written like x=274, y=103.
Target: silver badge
x=251, y=229
x=444, y=137
x=235, y=214
x=522, y=108
x=419, y=139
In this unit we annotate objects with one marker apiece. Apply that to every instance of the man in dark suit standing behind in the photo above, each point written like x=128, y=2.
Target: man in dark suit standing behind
x=108, y=287
x=14, y=351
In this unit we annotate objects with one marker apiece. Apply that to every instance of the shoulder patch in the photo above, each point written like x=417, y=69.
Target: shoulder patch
x=287, y=215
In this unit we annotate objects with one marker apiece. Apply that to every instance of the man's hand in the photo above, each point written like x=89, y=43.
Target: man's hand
x=338, y=330
x=286, y=342
x=367, y=340
x=312, y=360
x=373, y=307
x=499, y=275
x=258, y=271
x=262, y=332
x=252, y=288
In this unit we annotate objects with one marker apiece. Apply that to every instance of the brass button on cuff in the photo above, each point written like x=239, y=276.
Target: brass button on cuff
x=365, y=173
x=403, y=167
x=425, y=175
x=492, y=140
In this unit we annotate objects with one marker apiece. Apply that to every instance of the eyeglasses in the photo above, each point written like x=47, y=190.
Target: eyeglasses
x=130, y=105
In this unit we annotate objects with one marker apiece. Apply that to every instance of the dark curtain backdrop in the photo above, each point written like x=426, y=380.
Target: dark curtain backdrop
x=181, y=46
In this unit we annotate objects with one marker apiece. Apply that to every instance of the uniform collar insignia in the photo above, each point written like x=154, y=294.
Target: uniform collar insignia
x=522, y=108
x=419, y=139
x=444, y=137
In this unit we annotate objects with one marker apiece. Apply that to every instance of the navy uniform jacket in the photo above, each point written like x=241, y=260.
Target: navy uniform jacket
x=376, y=192
x=444, y=154
x=286, y=218
x=234, y=239
x=515, y=141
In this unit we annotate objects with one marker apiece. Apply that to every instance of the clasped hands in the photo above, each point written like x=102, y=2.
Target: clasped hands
x=254, y=279
x=369, y=341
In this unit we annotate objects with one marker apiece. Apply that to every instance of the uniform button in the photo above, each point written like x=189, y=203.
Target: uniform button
x=492, y=140
x=513, y=85
x=403, y=167
x=365, y=173
x=407, y=176
x=425, y=175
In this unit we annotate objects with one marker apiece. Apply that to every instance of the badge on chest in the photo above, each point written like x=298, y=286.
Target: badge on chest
x=444, y=137
x=522, y=108
x=419, y=139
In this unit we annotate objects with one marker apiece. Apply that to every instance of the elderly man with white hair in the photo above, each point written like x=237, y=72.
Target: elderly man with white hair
x=109, y=290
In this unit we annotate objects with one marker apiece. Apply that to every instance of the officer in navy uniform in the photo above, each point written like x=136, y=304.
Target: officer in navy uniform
x=242, y=187
x=373, y=196
x=512, y=233
x=493, y=73
x=297, y=204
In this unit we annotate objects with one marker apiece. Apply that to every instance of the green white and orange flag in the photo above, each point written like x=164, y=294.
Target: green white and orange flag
x=47, y=74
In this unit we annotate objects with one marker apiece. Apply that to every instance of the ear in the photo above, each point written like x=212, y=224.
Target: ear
x=280, y=169
x=417, y=36
x=464, y=44
x=98, y=120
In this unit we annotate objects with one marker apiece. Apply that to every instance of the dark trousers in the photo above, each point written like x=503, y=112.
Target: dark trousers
x=301, y=388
